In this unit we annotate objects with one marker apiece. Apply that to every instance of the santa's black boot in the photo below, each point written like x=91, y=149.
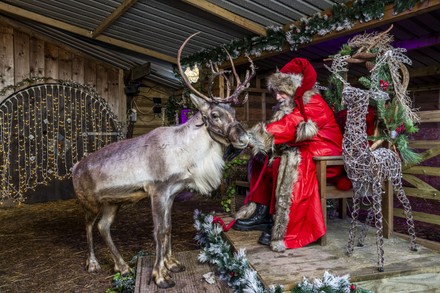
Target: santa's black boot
x=260, y=220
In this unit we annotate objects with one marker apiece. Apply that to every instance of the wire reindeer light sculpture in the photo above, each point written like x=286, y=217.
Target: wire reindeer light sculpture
x=367, y=168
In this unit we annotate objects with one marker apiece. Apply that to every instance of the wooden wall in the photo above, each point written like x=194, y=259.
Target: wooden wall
x=24, y=55
x=143, y=103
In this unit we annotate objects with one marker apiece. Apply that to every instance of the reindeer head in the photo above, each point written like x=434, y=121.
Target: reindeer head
x=218, y=115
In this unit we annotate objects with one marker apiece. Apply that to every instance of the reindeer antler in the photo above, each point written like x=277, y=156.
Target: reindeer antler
x=241, y=86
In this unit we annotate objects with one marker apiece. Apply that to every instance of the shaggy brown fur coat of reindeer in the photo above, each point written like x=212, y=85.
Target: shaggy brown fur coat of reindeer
x=159, y=165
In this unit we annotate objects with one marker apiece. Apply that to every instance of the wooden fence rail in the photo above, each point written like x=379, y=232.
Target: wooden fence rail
x=419, y=188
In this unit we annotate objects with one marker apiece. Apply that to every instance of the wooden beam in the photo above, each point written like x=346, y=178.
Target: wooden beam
x=388, y=17
x=424, y=71
x=228, y=16
x=16, y=11
x=127, y=4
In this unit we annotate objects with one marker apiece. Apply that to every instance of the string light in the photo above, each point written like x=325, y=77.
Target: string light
x=45, y=129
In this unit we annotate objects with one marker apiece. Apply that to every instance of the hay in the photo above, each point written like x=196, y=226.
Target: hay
x=43, y=246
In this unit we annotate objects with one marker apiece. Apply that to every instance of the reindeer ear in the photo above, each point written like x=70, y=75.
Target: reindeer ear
x=200, y=103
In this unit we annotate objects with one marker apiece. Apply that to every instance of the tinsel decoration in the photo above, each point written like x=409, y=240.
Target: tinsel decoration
x=233, y=268
x=45, y=129
x=341, y=17
x=328, y=284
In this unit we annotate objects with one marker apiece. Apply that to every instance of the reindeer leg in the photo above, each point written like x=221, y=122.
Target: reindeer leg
x=171, y=263
x=357, y=187
x=397, y=183
x=108, y=215
x=161, y=209
x=92, y=264
x=377, y=207
x=365, y=227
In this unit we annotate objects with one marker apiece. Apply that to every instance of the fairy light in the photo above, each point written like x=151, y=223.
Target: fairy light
x=45, y=129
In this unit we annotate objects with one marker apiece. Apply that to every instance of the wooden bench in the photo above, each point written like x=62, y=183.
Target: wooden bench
x=331, y=192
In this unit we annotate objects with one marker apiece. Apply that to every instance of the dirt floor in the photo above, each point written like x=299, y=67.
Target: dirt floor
x=43, y=246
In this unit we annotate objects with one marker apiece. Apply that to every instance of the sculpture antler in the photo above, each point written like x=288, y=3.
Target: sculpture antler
x=230, y=98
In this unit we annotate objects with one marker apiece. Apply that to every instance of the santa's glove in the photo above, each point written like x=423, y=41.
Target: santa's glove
x=261, y=140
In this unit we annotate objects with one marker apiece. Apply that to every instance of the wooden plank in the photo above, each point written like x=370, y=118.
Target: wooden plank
x=423, y=144
x=127, y=4
x=78, y=64
x=189, y=281
x=424, y=242
x=64, y=64
x=51, y=61
x=90, y=74
x=6, y=58
x=102, y=82
x=21, y=56
x=122, y=108
x=229, y=16
x=418, y=183
x=426, y=283
x=418, y=216
x=36, y=57
x=422, y=193
x=289, y=268
x=423, y=170
x=114, y=100
x=429, y=116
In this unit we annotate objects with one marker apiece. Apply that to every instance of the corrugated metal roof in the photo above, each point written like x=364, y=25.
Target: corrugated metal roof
x=153, y=30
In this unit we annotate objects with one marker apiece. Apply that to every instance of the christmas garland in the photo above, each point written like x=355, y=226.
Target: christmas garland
x=342, y=17
x=388, y=75
x=234, y=268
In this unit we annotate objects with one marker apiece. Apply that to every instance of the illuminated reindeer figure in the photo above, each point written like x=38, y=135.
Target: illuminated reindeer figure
x=365, y=167
x=368, y=169
x=160, y=164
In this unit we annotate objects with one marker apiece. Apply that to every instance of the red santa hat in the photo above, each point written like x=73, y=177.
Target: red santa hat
x=294, y=79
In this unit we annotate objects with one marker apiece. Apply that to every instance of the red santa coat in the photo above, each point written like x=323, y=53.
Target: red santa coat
x=306, y=222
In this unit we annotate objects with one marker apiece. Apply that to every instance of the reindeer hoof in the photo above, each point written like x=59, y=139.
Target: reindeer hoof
x=176, y=268
x=124, y=269
x=92, y=266
x=380, y=269
x=414, y=248
x=360, y=245
x=165, y=283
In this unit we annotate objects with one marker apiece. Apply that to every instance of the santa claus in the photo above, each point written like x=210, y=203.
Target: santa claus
x=284, y=201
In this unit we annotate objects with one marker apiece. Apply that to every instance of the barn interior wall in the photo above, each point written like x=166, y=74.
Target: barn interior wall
x=25, y=56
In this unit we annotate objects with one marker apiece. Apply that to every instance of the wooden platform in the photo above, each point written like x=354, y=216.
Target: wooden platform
x=189, y=281
x=405, y=271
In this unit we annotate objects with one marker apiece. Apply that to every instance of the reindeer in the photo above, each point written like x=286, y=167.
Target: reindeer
x=160, y=165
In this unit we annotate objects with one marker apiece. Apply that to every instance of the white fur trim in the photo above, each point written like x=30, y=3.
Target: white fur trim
x=284, y=82
x=306, y=130
x=246, y=211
